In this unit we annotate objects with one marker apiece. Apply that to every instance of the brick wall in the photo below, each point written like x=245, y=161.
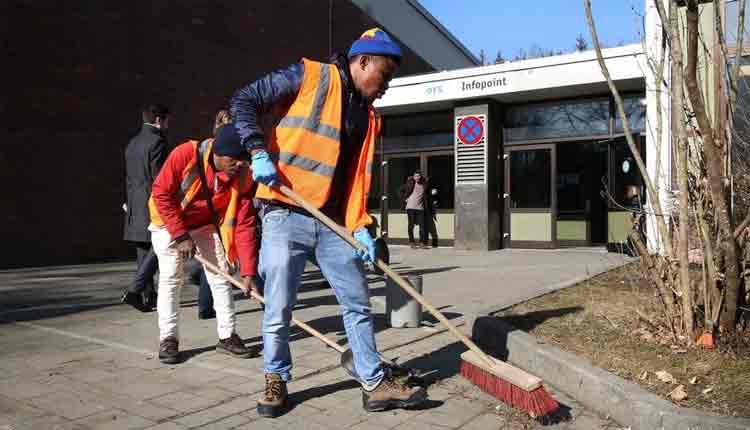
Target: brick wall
x=76, y=75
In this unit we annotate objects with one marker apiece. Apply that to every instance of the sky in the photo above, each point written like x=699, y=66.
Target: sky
x=509, y=25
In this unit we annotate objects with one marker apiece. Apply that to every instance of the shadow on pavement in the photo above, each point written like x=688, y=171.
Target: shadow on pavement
x=529, y=320
x=57, y=308
x=335, y=325
x=299, y=397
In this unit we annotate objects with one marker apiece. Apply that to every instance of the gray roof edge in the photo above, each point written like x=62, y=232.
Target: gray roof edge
x=441, y=28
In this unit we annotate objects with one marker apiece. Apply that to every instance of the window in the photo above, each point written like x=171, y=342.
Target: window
x=419, y=142
x=574, y=181
x=440, y=170
x=399, y=169
x=376, y=186
x=626, y=185
x=635, y=109
x=550, y=120
x=418, y=124
x=530, y=178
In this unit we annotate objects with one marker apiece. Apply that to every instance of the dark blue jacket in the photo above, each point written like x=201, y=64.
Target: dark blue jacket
x=259, y=106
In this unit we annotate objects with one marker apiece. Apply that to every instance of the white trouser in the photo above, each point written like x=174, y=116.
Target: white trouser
x=172, y=277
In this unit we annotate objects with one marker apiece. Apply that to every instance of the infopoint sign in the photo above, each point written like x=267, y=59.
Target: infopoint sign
x=483, y=84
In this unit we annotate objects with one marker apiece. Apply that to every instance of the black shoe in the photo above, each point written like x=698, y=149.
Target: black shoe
x=169, y=350
x=207, y=315
x=151, y=301
x=135, y=300
x=392, y=393
x=234, y=346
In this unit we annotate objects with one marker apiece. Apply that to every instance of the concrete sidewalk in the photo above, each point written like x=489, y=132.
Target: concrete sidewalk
x=72, y=357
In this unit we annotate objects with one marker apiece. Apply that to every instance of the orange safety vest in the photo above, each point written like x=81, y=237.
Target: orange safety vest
x=190, y=186
x=306, y=142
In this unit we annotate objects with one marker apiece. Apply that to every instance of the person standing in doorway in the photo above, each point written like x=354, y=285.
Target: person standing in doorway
x=144, y=156
x=413, y=200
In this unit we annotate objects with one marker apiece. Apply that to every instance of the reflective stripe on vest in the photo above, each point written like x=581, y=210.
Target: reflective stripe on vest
x=312, y=122
x=313, y=166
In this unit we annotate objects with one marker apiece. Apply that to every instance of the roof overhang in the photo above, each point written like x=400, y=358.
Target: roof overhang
x=563, y=76
x=415, y=27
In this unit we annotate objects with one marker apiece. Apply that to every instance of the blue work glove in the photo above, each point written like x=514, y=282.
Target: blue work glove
x=263, y=169
x=363, y=237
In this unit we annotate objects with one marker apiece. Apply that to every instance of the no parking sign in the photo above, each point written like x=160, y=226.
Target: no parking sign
x=470, y=130
x=470, y=148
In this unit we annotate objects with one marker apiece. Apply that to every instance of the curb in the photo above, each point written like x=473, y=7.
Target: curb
x=607, y=394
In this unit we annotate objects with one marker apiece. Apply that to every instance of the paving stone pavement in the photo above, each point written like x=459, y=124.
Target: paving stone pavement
x=72, y=357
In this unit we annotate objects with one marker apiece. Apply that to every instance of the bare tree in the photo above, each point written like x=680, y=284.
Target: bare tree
x=702, y=182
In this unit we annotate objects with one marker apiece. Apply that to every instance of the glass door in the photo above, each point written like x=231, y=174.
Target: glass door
x=530, y=196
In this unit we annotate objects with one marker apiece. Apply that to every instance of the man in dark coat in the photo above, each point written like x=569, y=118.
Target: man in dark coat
x=144, y=156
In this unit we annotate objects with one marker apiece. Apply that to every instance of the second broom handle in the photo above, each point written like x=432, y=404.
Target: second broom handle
x=212, y=267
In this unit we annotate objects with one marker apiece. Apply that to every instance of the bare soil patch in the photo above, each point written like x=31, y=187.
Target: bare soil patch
x=614, y=321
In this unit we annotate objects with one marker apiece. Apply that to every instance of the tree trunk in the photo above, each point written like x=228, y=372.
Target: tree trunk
x=714, y=162
x=682, y=179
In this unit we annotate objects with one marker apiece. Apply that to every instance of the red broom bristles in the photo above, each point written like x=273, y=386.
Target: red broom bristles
x=537, y=403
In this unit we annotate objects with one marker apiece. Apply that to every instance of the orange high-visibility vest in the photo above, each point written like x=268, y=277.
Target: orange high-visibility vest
x=305, y=147
x=190, y=186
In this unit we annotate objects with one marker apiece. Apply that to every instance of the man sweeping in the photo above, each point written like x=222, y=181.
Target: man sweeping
x=202, y=200
x=312, y=127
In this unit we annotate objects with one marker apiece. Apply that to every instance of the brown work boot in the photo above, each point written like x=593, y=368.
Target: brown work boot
x=274, y=398
x=169, y=352
x=392, y=393
x=234, y=346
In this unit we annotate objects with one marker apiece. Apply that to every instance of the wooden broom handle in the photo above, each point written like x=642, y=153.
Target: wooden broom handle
x=259, y=298
x=344, y=234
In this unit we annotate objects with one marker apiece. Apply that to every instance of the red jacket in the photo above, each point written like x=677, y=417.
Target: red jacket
x=165, y=193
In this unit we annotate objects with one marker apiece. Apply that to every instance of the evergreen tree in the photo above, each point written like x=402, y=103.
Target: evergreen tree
x=499, y=59
x=581, y=43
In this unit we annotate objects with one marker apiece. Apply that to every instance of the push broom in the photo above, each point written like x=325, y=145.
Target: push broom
x=507, y=383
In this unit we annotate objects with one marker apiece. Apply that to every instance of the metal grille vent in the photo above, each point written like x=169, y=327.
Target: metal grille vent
x=471, y=149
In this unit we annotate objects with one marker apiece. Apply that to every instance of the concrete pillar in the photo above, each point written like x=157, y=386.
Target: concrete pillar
x=658, y=148
x=478, y=177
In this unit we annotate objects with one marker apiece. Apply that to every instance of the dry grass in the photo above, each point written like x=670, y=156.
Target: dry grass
x=614, y=321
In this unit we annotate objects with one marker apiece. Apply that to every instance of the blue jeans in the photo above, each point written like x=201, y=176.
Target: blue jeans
x=205, y=299
x=289, y=240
